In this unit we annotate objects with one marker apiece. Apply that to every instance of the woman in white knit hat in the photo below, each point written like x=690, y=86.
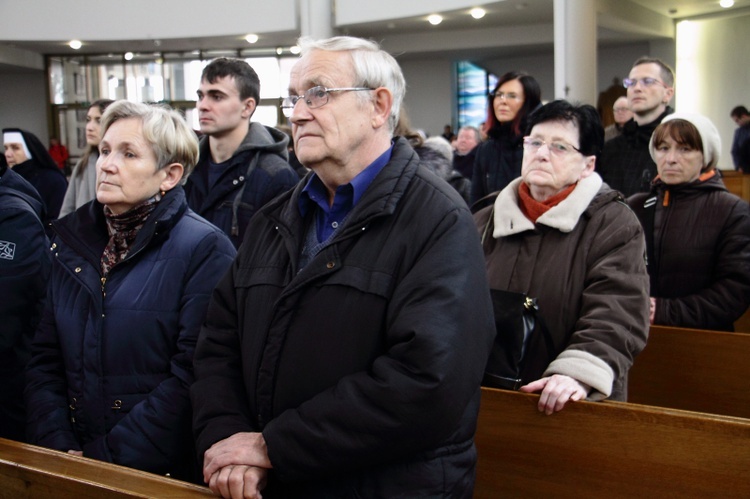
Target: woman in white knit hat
x=697, y=233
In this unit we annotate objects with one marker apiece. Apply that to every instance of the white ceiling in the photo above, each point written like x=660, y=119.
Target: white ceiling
x=508, y=13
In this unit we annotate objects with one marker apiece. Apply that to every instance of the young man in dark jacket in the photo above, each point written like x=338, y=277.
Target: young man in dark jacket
x=24, y=270
x=242, y=165
x=342, y=355
x=626, y=164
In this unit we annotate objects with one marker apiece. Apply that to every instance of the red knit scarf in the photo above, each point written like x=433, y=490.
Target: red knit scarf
x=534, y=209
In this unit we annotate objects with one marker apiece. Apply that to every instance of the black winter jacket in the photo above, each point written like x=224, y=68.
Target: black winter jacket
x=257, y=173
x=625, y=163
x=498, y=162
x=50, y=184
x=24, y=270
x=363, y=369
x=699, y=252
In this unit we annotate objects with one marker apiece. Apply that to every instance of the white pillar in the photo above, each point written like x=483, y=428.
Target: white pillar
x=316, y=18
x=575, y=50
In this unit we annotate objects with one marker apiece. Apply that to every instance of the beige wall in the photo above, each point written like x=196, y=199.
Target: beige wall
x=713, y=73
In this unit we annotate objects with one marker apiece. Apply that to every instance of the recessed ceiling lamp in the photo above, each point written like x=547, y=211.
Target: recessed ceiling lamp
x=726, y=3
x=477, y=13
x=295, y=49
x=435, y=19
x=128, y=56
x=75, y=44
x=251, y=38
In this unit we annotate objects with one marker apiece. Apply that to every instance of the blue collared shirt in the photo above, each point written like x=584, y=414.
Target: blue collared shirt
x=315, y=196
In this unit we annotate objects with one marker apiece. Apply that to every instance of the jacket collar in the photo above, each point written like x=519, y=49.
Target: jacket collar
x=708, y=181
x=85, y=230
x=632, y=129
x=380, y=199
x=509, y=219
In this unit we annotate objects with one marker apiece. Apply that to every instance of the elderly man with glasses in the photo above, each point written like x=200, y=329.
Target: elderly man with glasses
x=626, y=164
x=342, y=354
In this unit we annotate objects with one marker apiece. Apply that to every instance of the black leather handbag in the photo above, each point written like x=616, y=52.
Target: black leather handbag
x=516, y=321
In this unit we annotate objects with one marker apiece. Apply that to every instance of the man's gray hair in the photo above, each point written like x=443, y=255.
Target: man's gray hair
x=164, y=129
x=472, y=129
x=373, y=66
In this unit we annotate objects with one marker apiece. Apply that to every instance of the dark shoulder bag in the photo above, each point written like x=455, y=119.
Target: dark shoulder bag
x=516, y=320
x=518, y=325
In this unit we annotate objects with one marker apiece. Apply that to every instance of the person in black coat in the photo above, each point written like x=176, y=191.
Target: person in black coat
x=342, y=354
x=24, y=270
x=498, y=159
x=28, y=157
x=697, y=233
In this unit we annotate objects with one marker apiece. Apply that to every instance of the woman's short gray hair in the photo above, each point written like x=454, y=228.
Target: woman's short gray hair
x=373, y=67
x=165, y=129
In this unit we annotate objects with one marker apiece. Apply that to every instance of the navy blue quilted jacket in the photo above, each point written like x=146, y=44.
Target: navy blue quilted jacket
x=112, y=361
x=24, y=269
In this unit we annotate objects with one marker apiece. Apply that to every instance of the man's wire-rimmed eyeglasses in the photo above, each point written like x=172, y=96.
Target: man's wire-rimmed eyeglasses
x=314, y=98
x=646, y=82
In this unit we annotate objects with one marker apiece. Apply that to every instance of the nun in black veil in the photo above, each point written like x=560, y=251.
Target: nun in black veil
x=28, y=157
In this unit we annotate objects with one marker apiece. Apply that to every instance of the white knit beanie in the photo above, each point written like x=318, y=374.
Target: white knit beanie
x=709, y=136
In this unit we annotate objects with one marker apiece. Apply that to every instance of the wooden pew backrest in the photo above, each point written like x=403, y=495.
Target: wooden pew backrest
x=737, y=183
x=694, y=370
x=607, y=449
x=30, y=472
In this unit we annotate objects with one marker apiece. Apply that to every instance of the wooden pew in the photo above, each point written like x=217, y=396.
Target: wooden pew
x=742, y=325
x=607, y=449
x=695, y=370
x=737, y=183
x=30, y=472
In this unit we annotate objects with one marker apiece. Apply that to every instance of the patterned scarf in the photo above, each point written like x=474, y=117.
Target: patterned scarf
x=122, y=231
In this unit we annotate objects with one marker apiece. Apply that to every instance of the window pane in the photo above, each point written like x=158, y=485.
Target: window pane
x=266, y=115
x=144, y=82
x=183, y=79
x=268, y=72
x=474, y=83
x=285, y=66
x=56, y=81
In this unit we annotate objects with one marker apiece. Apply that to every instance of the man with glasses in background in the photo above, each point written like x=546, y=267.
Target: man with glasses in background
x=343, y=353
x=242, y=164
x=626, y=164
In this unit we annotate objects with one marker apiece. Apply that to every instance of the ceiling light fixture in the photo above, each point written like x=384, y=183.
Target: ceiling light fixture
x=295, y=49
x=435, y=19
x=726, y=3
x=251, y=38
x=477, y=13
x=128, y=56
x=75, y=44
